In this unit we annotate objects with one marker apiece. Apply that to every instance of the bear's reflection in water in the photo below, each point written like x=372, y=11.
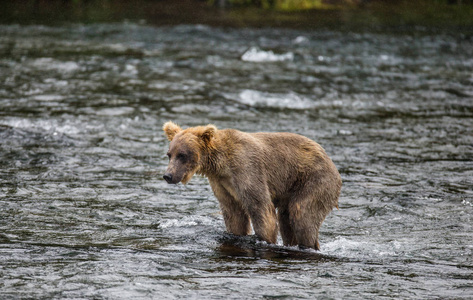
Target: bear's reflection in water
x=250, y=246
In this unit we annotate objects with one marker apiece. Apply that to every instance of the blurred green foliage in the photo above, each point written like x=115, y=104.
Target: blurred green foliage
x=294, y=5
x=335, y=14
x=285, y=5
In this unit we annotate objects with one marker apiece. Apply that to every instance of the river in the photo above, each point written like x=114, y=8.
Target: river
x=85, y=213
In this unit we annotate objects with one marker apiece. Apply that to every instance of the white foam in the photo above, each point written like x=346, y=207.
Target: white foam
x=115, y=111
x=43, y=125
x=345, y=132
x=48, y=98
x=343, y=247
x=262, y=99
x=465, y=202
x=130, y=70
x=51, y=64
x=300, y=40
x=255, y=54
x=186, y=222
x=57, y=83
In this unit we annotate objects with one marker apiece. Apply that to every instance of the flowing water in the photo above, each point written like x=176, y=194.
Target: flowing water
x=85, y=213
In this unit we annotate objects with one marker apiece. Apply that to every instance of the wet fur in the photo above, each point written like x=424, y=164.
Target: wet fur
x=269, y=180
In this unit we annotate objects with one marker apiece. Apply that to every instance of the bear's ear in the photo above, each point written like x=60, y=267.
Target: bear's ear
x=171, y=129
x=208, y=133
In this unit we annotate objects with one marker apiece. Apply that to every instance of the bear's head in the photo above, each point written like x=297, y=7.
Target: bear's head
x=185, y=150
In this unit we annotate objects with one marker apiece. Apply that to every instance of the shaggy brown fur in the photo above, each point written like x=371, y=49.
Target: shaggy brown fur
x=263, y=178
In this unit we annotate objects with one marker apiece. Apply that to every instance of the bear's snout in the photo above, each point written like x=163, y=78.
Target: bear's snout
x=168, y=177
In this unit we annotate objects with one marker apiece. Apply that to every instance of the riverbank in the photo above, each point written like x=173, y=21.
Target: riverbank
x=372, y=16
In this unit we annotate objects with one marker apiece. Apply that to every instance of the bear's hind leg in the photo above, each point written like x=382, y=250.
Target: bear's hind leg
x=306, y=217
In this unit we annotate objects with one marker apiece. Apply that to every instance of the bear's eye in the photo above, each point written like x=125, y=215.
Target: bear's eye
x=182, y=157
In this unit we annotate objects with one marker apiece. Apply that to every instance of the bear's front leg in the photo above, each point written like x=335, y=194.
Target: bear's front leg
x=264, y=223
x=237, y=221
x=262, y=213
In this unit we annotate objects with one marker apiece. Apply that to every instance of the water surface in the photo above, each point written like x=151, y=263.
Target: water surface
x=84, y=212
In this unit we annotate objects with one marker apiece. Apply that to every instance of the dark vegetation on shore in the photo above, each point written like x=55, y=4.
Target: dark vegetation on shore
x=308, y=14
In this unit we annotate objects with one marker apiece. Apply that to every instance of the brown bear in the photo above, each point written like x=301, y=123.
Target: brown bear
x=274, y=180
